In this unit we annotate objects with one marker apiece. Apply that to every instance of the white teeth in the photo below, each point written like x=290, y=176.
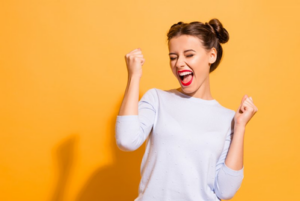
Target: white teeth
x=185, y=73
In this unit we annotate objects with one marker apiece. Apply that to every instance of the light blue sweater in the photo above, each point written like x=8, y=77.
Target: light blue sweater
x=187, y=141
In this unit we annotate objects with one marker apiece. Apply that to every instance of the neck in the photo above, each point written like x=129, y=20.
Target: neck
x=202, y=92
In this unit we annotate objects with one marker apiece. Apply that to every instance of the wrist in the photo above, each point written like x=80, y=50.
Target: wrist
x=239, y=128
x=134, y=77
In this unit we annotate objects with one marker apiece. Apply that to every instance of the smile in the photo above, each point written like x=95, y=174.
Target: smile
x=186, y=77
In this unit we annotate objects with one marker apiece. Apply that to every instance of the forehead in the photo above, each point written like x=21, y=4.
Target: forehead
x=183, y=42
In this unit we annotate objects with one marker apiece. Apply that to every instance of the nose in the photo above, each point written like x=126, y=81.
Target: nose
x=180, y=62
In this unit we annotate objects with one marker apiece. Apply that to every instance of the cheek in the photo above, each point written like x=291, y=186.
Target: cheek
x=173, y=64
x=199, y=61
x=201, y=68
x=173, y=68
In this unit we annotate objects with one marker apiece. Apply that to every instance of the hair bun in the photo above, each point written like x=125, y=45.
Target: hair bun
x=220, y=32
x=179, y=23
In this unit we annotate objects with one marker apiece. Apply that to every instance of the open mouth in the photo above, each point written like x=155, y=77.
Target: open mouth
x=186, y=77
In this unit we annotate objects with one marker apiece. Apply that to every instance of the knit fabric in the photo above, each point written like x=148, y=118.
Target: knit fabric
x=187, y=141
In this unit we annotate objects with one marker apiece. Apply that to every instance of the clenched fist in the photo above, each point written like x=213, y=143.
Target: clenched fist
x=134, y=62
x=245, y=112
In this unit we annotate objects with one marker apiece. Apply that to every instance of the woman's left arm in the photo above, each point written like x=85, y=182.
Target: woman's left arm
x=229, y=168
x=245, y=112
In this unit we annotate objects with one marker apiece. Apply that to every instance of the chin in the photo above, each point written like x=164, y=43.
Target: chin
x=188, y=90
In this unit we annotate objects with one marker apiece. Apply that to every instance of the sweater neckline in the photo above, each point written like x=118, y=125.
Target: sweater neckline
x=210, y=102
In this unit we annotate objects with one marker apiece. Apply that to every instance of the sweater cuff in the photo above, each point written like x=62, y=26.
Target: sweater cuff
x=124, y=118
x=232, y=172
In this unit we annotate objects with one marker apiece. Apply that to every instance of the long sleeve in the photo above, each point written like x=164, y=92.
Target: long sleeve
x=227, y=180
x=132, y=130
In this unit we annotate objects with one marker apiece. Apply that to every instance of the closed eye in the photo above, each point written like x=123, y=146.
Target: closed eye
x=173, y=58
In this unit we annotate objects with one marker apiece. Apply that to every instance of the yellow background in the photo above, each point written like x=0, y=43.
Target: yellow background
x=63, y=76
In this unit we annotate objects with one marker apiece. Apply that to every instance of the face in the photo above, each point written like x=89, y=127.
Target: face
x=190, y=63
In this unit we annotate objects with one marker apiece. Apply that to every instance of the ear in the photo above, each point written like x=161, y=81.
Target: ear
x=212, y=55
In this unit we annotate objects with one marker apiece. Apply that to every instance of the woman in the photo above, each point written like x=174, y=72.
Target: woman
x=194, y=147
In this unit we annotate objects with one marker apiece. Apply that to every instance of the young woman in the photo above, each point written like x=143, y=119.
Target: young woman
x=194, y=147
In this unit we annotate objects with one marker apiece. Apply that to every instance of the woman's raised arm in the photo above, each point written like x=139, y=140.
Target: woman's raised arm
x=134, y=62
x=135, y=118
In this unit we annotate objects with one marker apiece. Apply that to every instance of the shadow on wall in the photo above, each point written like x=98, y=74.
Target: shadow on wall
x=119, y=181
x=64, y=154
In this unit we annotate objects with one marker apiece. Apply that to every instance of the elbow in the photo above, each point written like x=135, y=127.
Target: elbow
x=228, y=182
x=226, y=195
x=125, y=145
x=226, y=191
x=128, y=137
x=125, y=138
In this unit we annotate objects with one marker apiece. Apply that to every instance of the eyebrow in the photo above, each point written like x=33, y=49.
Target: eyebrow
x=184, y=51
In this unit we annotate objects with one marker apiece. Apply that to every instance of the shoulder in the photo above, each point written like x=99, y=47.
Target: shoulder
x=226, y=111
x=151, y=95
x=155, y=92
x=157, y=95
x=151, y=92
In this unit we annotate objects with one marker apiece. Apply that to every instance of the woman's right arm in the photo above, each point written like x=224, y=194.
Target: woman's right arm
x=135, y=118
x=134, y=62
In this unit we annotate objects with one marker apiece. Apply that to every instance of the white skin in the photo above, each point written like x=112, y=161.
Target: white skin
x=187, y=53
x=198, y=60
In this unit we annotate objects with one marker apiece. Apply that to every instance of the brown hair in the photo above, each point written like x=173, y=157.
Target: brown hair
x=211, y=35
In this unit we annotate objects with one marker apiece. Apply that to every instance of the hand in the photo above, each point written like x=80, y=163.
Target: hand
x=134, y=62
x=245, y=112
